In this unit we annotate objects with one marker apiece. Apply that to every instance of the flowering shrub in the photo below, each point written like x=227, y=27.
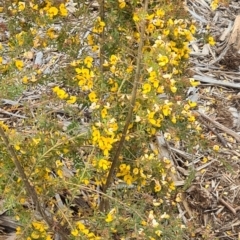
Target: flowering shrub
x=128, y=71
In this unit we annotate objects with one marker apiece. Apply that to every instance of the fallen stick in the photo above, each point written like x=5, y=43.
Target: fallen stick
x=227, y=205
x=221, y=139
x=219, y=126
x=12, y=114
x=216, y=82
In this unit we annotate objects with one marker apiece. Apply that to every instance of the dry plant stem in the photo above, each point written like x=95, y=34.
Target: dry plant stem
x=221, y=139
x=227, y=205
x=115, y=161
x=30, y=190
x=219, y=126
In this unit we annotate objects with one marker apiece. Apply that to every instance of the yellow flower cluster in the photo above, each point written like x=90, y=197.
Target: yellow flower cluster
x=84, y=74
x=53, y=11
x=82, y=230
x=40, y=231
x=62, y=94
x=48, y=9
x=105, y=143
x=99, y=26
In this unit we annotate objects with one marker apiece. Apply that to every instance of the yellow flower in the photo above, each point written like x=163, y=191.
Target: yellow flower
x=60, y=173
x=72, y=99
x=160, y=12
x=17, y=147
x=104, y=113
x=191, y=118
x=136, y=18
x=18, y=230
x=109, y=218
x=165, y=216
x=102, y=24
x=92, y=96
x=59, y=163
x=157, y=203
x=48, y=237
x=90, y=40
x=33, y=6
x=110, y=215
x=21, y=6
x=128, y=179
x=157, y=187
x=192, y=104
x=192, y=29
x=158, y=233
x=135, y=171
x=19, y=64
x=193, y=82
x=35, y=235
x=40, y=226
x=160, y=89
x=166, y=110
x=173, y=89
x=173, y=119
x=204, y=160
x=211, y=41
x=150, y=28
x=25, y=80
x=172, y=186
x=186, y=107
x=95, y=48
x=51, y=33
x=95, y=134
x=74, y=232
x=99, y=26
x=216, y=148
x=62, y=94
x=158, y=23
x=179, y=198
x=36, y=140
x=55, y=89
x=105, y=144
x=113, y=59
x=170, y=22
x=52, y=11
x=114, y=88
x=123, y=167
x=104, y=164
x=166, y=32
x=214, y=4
x=149, y=17
x=80, y=226
x=146, y=88
x=88, y=61
x=63, y=10
x=122, y=3
x=162, y=60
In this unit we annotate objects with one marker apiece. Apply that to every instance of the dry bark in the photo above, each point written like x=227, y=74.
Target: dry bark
x=232, y=57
